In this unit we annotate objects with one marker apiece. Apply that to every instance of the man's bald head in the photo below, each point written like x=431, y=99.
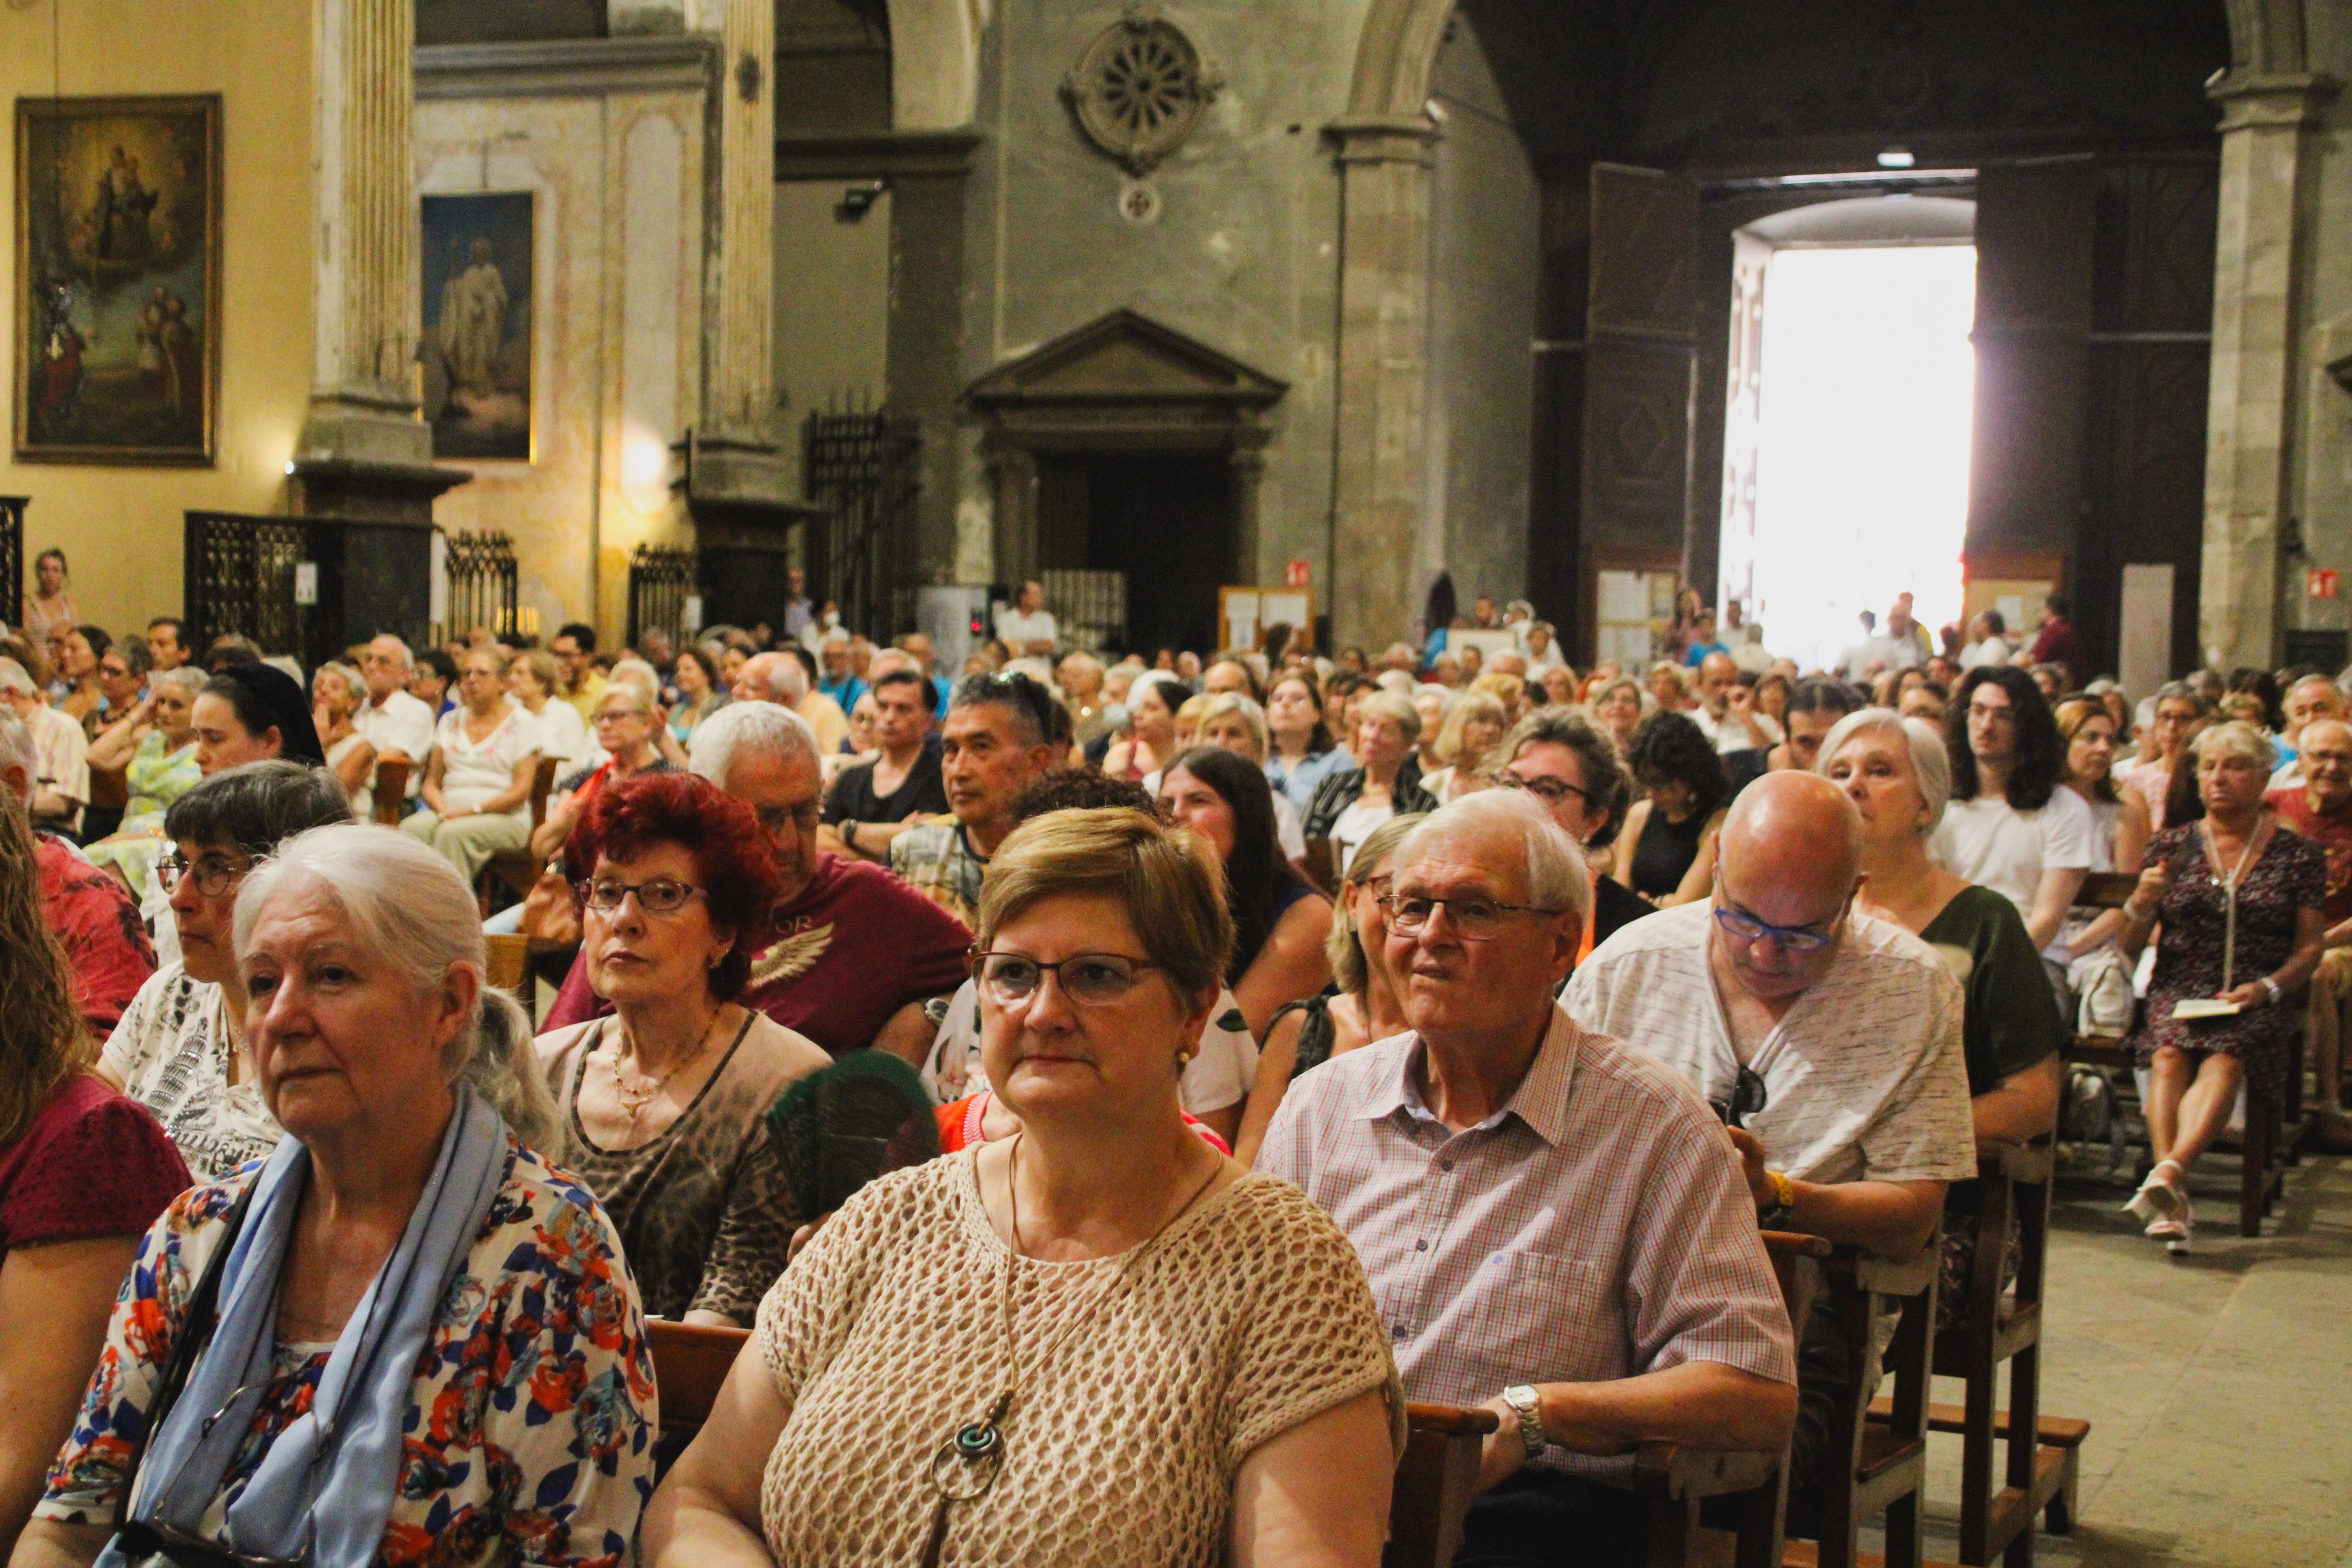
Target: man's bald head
x=771, y=677
x=1792, y=830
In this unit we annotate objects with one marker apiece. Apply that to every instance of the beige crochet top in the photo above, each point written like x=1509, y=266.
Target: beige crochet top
x=1250, y=1316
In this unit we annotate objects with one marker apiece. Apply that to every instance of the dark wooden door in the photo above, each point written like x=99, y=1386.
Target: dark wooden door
x=1640, y=334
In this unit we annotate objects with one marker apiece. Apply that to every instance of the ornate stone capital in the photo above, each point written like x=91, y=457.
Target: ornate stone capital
x=2250, y=99
x=1384, y=139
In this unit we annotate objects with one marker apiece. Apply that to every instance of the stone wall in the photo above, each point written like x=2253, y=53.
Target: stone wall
x=610, y=139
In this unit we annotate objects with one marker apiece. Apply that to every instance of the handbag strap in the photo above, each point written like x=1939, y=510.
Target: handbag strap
x=195, y=1333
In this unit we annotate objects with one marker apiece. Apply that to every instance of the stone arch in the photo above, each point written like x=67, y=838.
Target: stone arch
x=1395, y=54
x=935, y=62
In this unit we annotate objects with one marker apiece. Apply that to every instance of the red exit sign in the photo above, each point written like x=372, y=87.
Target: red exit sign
x=1294, y=575
x=2319, y=584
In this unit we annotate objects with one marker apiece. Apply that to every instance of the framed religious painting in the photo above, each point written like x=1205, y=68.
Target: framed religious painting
x=118, y=279
x=476, y=256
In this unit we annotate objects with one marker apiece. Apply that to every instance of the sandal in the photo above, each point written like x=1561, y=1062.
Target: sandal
x=2158, y=1199
x=2175, y=1241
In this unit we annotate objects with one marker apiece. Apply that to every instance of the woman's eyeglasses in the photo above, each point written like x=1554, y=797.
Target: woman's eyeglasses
x=1088, y=979
x=214, y=874
x=661, y=896
x=1549, y=790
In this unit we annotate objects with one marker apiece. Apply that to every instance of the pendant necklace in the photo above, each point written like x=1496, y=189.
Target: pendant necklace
x=968, y=1463
x=635, y=1101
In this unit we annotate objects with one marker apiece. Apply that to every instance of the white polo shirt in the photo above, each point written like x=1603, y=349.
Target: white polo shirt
x=403, y=724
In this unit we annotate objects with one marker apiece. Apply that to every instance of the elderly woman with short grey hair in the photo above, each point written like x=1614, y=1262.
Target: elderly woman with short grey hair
x=415, y=1330
x=2239, y=900
x=1384, y=783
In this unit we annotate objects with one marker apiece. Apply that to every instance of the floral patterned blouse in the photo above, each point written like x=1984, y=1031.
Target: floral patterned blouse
x=533, y=1413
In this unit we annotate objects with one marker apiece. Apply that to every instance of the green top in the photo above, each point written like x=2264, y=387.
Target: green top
x=2012, y=1020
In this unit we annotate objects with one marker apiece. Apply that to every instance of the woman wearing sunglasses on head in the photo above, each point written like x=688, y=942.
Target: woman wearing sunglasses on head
x=663, y=1105
x=954, y=1360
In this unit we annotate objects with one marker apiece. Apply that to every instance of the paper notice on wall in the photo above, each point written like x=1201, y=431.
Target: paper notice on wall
x=1624, y=596
x=1283, y=609
x=2012, y=613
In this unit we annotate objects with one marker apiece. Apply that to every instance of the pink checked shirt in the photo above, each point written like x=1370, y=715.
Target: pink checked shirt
x=1596, y=1227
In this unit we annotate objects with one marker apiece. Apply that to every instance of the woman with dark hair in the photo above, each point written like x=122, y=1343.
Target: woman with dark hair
x=50, y=602
x=83, y=1172
x=250, y=713
x=1279, y=923
x=79, y=690
x=1666, y=853
x=2012, y=826
x=700, y=692
x=1301, y=754
x=663, y=1104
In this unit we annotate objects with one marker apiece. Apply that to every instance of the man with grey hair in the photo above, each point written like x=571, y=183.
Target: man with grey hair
x=60, y=753
x=95, y=920
x=856, y=952
x=398, y=725
x=1829, y=1040
x=1547, y=1216
x=783, y=679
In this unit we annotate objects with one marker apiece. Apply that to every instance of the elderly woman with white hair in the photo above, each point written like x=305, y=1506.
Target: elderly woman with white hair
x=1384, y=783
x=626, y=721
x=2239, y=897
x=403, y=1332
x=1899, y=776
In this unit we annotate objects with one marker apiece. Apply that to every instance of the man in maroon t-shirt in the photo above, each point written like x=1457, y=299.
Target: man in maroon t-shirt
x=2059, y=643
x=2320, y=808
x=857, y=952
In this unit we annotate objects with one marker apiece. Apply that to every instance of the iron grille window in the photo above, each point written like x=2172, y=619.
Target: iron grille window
x=484, y=583
x=660, y=581
x=239, y=577
x=863, y=470
x=12, y=555
x=1089, y=607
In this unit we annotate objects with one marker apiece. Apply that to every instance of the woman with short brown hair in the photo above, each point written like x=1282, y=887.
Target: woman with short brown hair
x=1028, y=1279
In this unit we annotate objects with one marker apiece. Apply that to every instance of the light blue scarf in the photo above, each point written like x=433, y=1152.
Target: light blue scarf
x=325, y=1488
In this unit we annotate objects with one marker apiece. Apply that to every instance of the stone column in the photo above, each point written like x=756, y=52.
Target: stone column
x=1382, y=450
x=2257, y=284
x=363, y=449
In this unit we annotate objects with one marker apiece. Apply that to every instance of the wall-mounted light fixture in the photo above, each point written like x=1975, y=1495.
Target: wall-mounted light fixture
x=859, y=199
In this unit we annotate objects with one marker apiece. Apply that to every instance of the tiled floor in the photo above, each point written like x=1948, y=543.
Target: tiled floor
x=2219, y=1386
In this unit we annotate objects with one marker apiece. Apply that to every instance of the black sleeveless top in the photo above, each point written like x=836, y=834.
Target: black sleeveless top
x=1316, y=1032
x=1664, y=855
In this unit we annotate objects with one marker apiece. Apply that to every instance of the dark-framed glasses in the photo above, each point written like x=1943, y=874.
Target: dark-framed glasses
x=660, y=896
x=1747, y=928
x=774, y=819
x=1748, y=1098
x=1474, y=919
x=1088, y=979
x=214, y=874
x=1545, y=788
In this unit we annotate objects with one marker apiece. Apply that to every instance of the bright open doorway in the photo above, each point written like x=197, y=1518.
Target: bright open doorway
x=1847, y=475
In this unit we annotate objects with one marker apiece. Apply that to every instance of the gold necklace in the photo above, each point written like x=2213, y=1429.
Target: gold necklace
x=635, y=1101
x=966, y=1464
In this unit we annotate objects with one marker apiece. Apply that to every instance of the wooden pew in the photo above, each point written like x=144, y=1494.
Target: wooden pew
x=690, y=1362
x=516, y=868
x=391, y=792
x=2043, y=1467
x=1871, y=1468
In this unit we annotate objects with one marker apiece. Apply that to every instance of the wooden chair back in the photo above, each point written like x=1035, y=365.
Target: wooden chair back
x=1869, y=1466
x=1322, y=866
x=691, y=1363
x=391, y=792
x=1435, y=1483
x=510, y=966
x=109, y=788
x=517, y=868
x=542, y=785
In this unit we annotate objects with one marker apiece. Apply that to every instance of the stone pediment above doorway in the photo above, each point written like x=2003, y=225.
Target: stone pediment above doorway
x=1126, y=361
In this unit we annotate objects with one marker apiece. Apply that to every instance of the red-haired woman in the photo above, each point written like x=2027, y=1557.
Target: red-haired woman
x=663, y=1104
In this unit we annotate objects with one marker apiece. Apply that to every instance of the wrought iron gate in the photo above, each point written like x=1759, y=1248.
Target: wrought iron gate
x=239, y=576
x=484, y=583
x=12, y=555
x=864, y=470
x=660, y=581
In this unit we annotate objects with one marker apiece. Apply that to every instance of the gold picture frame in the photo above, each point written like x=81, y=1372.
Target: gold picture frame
x=118, y=245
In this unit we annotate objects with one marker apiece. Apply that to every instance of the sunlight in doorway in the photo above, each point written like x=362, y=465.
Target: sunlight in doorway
x=1862, y=476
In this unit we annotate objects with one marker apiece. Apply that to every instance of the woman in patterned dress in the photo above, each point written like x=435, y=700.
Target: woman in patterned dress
x=155, y=744
x=426, y=1347
x=2253, y=950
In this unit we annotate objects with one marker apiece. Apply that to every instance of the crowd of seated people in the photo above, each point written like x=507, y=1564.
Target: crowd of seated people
x=1505, y=1004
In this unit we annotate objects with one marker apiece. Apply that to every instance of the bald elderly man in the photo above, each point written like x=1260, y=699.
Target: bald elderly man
x=782, y=679
x=1829, y=1039
x=1551, y=1224
x=2313, y=697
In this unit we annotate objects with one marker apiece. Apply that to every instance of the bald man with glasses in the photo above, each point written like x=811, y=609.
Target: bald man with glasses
x=1834, y=1037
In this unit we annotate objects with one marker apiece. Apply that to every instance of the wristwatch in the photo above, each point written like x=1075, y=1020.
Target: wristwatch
x=1775, y=1215
x=2272, y=987
x=850, y=834
x=1521, y=1398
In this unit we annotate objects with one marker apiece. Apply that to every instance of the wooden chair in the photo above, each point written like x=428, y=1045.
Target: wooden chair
x=2103, y=890
x=391, y=792
x=690, y=1362
x=1871, y=1467
x=517, y=868
x=509, y=967
x=1322, y=866
x=1435, y=1483
x=2044, y=1460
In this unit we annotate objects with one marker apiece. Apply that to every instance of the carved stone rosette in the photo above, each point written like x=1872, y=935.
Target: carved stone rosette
x=1139, y=89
